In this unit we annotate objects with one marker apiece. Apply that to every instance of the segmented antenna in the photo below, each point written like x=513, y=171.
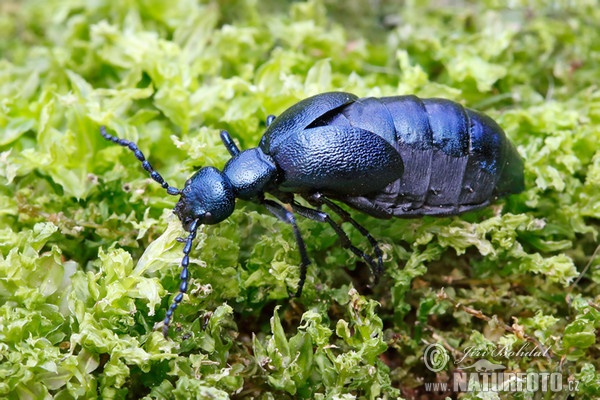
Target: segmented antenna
x=140, y=156
x=183, y=286
x=185, y=261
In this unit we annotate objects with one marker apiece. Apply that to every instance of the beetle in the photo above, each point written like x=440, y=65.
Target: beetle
x=398, y=156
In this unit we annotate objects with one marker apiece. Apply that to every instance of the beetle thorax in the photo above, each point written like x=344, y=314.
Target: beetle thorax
x=249, y=173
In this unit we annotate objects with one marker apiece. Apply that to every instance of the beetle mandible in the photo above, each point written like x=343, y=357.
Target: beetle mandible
x=389, y=157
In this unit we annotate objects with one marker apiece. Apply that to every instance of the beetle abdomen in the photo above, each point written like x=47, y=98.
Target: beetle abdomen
x=455, y=159
x=452, y=159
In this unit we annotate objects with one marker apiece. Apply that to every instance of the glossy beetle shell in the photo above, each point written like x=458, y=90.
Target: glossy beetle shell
x=394, y=156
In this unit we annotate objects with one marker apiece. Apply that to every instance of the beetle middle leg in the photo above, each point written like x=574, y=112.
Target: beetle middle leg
x=321, y=216
x=377, y=268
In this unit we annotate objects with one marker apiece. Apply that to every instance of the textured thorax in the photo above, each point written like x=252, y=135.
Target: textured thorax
x=249, y=173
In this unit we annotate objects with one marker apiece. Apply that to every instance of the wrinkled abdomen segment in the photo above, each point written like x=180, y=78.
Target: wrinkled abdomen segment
x=455, y=160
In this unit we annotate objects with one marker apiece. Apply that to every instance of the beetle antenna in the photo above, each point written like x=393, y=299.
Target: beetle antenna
x=140, y=156
x=184, y=277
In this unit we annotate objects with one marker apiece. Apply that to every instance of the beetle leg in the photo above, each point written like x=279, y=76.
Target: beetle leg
x=321, y=216
x=270, y=119
x=377, y=268
x=229, y=144
x=287, y=216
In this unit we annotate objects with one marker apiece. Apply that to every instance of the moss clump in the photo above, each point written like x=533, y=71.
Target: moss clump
x=89, y=251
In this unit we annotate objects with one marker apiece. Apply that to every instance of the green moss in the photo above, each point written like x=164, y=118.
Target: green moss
x=88, y=244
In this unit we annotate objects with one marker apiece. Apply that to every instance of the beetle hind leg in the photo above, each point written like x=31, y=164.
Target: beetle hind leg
x=346, y=217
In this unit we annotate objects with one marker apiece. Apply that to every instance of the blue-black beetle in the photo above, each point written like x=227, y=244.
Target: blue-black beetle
x=388, y=157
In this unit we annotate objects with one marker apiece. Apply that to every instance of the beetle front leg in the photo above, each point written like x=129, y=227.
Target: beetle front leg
x=229, y=144
x=377, y=268
x=286, y=216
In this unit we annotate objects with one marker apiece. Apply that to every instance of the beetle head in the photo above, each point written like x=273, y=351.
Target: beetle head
x=207, y=197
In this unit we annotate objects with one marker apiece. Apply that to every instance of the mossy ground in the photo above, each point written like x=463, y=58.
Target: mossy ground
x=88, y=243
